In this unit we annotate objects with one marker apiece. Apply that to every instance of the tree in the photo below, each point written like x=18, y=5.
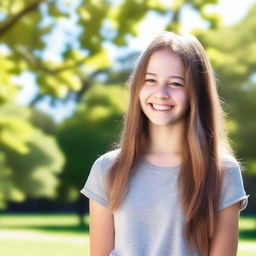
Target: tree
x=30, y=159
x=235, y=65
x=24, y=28
x=26, y=24
x=89, y=132
x=233, y=52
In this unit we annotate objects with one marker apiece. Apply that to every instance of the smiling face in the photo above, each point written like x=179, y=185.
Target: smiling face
x=163, y=96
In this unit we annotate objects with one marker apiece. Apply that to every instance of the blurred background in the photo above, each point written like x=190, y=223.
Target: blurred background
x=63, y=71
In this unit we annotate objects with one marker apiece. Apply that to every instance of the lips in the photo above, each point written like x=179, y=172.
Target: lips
x=161, y=107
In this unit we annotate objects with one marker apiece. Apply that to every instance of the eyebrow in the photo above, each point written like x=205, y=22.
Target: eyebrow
x=179, y=77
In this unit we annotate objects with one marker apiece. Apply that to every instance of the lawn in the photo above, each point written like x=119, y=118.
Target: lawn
x=41, y=235
x=60, y=235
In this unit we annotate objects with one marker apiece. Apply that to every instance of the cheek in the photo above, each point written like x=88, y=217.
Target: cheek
x=182, y=97
x=143, y=95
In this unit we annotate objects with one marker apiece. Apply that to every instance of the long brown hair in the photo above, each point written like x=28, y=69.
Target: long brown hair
x=205, y=139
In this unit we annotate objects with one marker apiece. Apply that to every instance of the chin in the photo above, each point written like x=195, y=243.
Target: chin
x=158, y=123
x=163, y=123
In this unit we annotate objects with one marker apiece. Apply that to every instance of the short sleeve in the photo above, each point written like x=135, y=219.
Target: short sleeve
x=94, y=187
x=233, y=189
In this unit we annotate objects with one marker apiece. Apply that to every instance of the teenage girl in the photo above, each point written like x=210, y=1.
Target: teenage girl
x=173, y=187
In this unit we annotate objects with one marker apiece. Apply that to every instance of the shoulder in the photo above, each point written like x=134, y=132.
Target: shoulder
x=111, y=155
x=231, y=169
x=229, y=162
x=106, y=160
x=232, y=188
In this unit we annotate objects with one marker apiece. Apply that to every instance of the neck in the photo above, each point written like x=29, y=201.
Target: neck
x=166, y=139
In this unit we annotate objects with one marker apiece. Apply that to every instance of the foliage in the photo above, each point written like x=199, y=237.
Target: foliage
x=29, y=153
x=89, y=132
x=235, y=64
x=30, y=159
x=26, y=27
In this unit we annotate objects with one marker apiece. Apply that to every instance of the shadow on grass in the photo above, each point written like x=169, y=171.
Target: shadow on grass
x=77, y=229
x=248, y=228
x=249, y=234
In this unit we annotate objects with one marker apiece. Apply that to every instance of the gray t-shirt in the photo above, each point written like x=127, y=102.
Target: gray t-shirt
x=149, y=222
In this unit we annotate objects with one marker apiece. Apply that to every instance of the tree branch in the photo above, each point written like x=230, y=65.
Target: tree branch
x=18, y=16
x=37, y=63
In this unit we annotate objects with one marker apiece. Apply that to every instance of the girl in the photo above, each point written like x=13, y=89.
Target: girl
x=174, y=186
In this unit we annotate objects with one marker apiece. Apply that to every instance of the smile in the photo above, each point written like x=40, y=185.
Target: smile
x=161, y=107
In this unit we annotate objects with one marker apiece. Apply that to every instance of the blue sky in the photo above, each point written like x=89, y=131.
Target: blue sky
x=66, y=30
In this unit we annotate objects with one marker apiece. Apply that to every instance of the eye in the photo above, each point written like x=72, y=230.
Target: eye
x=176, y=84
x=150, y=80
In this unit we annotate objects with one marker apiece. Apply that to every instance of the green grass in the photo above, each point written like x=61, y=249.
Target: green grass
x=247, y=236
x=40, y=235
x=247, y=229
x=21, y=248
x=47, y=223
x=61, y=235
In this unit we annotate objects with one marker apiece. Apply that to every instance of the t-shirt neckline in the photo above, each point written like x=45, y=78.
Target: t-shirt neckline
x=150, y=165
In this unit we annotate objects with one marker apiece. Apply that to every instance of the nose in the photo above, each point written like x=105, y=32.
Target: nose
x=162, y=91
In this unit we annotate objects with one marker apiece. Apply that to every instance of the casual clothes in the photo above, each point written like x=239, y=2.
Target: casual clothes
x=149, y=222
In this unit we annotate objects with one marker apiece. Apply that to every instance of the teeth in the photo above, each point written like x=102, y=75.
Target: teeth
x=161, y=107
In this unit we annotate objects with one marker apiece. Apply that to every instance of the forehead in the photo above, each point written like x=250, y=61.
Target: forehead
x=165, y=61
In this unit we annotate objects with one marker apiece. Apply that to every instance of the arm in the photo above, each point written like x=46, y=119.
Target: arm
x=225, y=237
x=101, y=230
